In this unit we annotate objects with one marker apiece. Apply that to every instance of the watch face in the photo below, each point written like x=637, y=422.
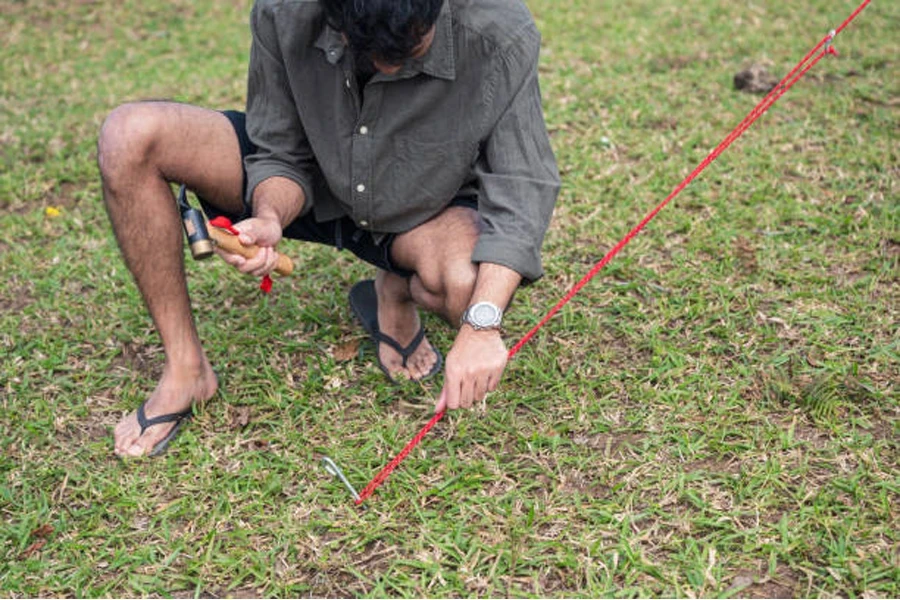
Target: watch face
x=484, y=314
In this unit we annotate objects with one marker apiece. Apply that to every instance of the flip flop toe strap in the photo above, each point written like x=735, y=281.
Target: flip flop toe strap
x=145, y=423
x=404, y=352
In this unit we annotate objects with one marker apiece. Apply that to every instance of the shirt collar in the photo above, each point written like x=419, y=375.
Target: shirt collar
x=331, y=42
x=439, y=61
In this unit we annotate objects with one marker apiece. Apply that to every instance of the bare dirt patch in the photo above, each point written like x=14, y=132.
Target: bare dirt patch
x=139, y=358
x=784, y=584
x=20, y=299
x=745, y=252
x=610, y=443
x=91, y=428
x=714, y=465
x=62, y=198
x=890, y=248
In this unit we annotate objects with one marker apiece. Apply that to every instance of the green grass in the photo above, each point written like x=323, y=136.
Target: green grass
x=716, y=414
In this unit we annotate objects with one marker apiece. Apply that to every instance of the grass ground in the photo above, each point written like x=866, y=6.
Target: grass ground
x=716, y=414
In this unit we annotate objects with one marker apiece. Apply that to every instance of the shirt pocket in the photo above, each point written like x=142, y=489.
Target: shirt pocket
x=426, y=175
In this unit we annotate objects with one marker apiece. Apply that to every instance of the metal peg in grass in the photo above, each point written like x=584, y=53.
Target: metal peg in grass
x=333, y=469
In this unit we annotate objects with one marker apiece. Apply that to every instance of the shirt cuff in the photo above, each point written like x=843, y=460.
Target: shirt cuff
x=261, y=172
x=521, y=258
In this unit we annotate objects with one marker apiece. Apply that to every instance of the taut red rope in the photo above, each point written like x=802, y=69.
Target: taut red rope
x=808, y=62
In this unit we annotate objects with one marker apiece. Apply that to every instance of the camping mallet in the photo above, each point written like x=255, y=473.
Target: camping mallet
x=203, y=239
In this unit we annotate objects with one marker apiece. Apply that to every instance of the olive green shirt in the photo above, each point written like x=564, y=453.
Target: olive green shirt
x=465, y=118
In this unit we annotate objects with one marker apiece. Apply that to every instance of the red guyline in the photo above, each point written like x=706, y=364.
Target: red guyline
x=777, y=92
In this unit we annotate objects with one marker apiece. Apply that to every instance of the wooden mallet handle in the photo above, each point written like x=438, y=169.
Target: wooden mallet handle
x=229, y=242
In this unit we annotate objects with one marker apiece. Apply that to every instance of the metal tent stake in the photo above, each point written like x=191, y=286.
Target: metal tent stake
x=333, y=469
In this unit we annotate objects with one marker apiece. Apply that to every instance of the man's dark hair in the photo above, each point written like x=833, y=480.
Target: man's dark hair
x=386, y=30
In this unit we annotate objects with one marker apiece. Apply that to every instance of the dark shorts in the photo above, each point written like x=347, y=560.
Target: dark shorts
x=340, y=233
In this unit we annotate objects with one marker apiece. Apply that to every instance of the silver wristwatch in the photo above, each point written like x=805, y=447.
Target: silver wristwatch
x=483, y=315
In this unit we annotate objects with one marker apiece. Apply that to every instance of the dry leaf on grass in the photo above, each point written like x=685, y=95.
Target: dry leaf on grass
x=43, y=531
x=32, y=549
x=347, y=351
x=240, y=416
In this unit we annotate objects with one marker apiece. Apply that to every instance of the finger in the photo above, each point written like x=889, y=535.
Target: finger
x=271, y=262
x=467, y=394
x=246, y=232
x=261, y=263
x=239, y=262
x=451, y=393
x=441, y=404
x=235, y=260
x=480, y=390
x=258, y=232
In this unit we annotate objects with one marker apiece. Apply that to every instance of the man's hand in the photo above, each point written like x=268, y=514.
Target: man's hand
x=474, y=367
x=262, y=232
x=276, y=202
x=478, y=358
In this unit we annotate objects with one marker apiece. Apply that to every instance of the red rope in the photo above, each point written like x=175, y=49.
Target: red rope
x=777, y=92
x=379, y=479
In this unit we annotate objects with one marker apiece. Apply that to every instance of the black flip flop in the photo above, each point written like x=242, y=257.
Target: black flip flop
x=177, y=418
x=364, y=302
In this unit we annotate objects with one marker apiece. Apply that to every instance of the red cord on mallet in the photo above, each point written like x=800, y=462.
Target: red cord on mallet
x=809, y=61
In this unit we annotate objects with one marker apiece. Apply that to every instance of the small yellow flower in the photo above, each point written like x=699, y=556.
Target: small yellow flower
x=52, y=211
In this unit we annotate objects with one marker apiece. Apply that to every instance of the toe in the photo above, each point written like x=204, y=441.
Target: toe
x=423, y=362
x=130, y=442
x=125, y=434
x=393, y=363
x=144, y=444
x=134, y=451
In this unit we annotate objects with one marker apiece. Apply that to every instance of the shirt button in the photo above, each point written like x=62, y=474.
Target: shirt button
x=360, y=188
x=363, y=130
x=363, y=223
x=347, y=82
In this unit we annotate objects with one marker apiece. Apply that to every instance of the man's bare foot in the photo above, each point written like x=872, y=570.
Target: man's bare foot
x=175, y=392
x=399, y=319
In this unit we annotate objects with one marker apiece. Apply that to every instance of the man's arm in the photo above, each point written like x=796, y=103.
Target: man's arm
x=279, y=200
x=283, y=152
x=278, y=172
x=516, y=168
x=519, y=183
x=478, y=358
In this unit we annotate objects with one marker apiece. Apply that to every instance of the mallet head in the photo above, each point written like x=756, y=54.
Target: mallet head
x=194, y=227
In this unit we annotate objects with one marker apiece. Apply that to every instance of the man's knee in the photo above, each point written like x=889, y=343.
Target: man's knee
x=451, y=282
x=459, y=281
x=126, y=140
x=440, y=252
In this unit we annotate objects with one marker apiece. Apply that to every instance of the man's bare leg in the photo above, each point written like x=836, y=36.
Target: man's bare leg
x=439, y=252
x=142, y=147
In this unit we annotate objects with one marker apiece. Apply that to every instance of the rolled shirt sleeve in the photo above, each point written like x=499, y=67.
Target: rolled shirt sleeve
x=516, y=169
x=273, y=124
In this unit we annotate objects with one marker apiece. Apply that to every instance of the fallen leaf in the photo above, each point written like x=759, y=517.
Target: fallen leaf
x=345, y=352
x=32, y=549
x=43, y=531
